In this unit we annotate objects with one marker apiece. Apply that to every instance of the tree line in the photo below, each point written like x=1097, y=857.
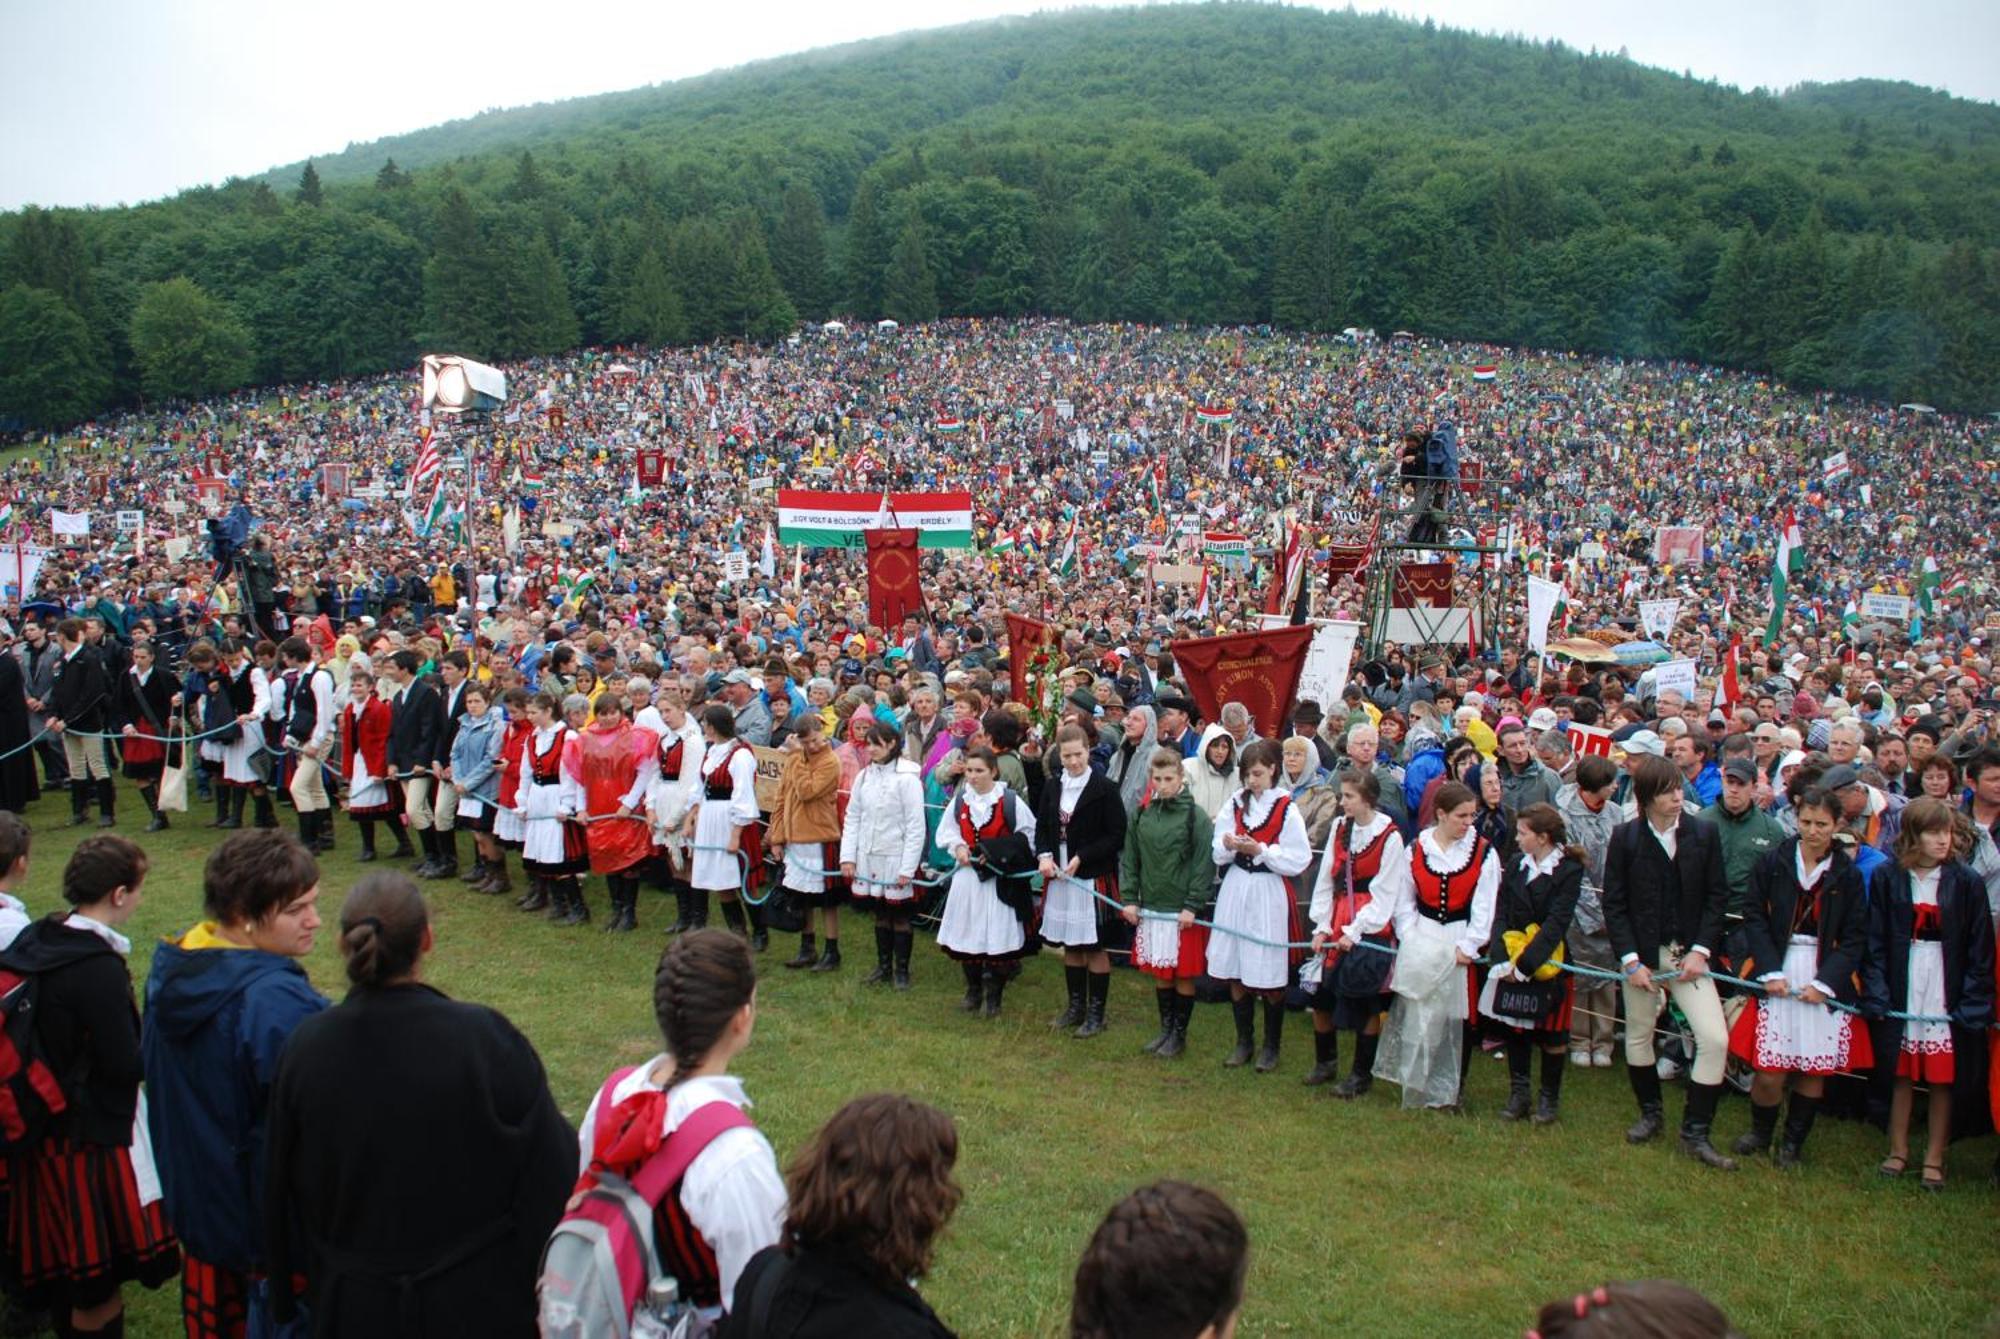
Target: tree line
x=1227, y=164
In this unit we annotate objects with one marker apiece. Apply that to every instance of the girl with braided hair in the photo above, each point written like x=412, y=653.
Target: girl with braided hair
x=1167, y=1262
x=730, y=1203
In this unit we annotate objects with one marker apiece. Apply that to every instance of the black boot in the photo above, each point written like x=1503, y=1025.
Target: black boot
x=1274, y=1028
x=1695, y=1125
x=233, y=796
x=1245, y=1011
x=403, y=849
x=885, y=952
x=1362, y=1077
x=325, y=842
x=221, y=806
x=367, y=827
x=267, y=816
x=993, y=984
x=684, y=920
x=427, y=869
x=1176, y=1043
x=1097, y=996
x=79, y=803
x=537, y=896
x=579, y=910
x=1798, y=1124
x=760, y=939
x=904, y=938
x=560, y=892
x=306, y=830
x=624, y=900
x=107, y=800
x=1548, y=1102
x=829, y=958
x=1165, y=1000
x=1645, y=1082
x=697, y=908
x=447, y=855
x=1076, y=979
x=804, y=957
x=974, y=986
x=158, y=821
x=732, y=918
x=478, y=872
x=1518, y=1056
x=1326, y=1058
x=1763, y=1124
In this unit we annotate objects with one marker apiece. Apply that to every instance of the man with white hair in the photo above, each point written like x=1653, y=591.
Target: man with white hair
x=1364, y=742
x=1236, y=719
x=1843, y=741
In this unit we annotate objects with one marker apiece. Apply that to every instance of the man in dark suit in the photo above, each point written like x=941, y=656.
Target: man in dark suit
x=1665, y=896
x=416, y=724
x=454, y=667
x=80, y=700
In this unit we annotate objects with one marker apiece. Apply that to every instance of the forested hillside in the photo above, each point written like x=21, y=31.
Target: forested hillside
x=1221, y=163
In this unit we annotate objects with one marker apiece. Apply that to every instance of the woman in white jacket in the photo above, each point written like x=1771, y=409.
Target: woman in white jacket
x=1211, y=773
x=882, y=847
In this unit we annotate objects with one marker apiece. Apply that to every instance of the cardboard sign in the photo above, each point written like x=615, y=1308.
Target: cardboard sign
x=764, y=483
x=1889, y=608
x=770, y=766
x=736, y=566
x=128, y=521
x=175, y=507
x=1327, y=661
x=1174, y=574
x=558, y=529
x=1675, y=676
x=1677, y=544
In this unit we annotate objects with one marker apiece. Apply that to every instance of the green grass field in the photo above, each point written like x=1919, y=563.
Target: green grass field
x=1365, y=1220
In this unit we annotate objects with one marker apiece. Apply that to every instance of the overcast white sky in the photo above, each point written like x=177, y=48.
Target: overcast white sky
x=110, y=101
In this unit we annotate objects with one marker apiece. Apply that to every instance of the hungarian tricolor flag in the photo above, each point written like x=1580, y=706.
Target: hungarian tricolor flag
x=1225, y=544
x=1788, y=561
x=1215, y=414
x=951, y=425
x=1929, y=581
x=1729, y=692
x=1485, y=371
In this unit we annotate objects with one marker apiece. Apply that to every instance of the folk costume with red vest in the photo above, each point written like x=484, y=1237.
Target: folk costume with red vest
x=1353, y=982
x=728, y=801
x=552, y=842
x=1440, y=899
x=614, y=766
x=508, y=826
x=1256, y=914
x=977, y=925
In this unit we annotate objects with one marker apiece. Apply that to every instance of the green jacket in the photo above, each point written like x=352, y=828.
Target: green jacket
x=1745, y=839
x=1169, y=858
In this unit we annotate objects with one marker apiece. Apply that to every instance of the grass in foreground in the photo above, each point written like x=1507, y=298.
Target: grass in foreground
x=1365, y=1219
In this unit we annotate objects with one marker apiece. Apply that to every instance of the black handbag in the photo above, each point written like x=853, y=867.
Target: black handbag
x=1524, y=999
x=1010, y=860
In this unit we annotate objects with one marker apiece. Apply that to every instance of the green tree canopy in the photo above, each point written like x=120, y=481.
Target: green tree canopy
x=188, y=342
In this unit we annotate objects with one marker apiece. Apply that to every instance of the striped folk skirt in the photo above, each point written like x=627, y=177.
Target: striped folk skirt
x=76, y=1229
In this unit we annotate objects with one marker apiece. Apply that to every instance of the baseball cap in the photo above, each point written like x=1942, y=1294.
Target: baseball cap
x=1541, y=718
x=1840, y=776
x=1645, y=741
x=738, y=676
x=1740, y=769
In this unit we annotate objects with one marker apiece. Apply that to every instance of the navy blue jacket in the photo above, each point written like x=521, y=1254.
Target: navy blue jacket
x=216, y=1021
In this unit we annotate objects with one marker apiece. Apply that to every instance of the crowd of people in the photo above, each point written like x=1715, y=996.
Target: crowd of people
x=1433, y=861
x=256, y=1140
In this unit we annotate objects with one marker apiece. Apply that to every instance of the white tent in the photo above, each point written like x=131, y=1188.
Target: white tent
x=1919, y=408
x=833, y=328
x=886, y=324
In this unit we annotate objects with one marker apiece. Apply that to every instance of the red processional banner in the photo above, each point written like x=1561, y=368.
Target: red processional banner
x=1422, y=584
x=652, y=467
x=1259, y=669
x=1024, y=637
x=894, y=589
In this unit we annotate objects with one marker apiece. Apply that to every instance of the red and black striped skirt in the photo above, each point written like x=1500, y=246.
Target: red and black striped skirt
x=76, y=1229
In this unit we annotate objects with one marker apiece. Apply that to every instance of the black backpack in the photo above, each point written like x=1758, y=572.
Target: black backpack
x=31, y=1093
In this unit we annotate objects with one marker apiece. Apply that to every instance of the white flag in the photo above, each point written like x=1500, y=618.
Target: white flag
x=69, y=522
x=1542, y=599
x=1657, y=617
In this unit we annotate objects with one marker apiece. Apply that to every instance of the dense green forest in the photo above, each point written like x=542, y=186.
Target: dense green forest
x=1219, y=163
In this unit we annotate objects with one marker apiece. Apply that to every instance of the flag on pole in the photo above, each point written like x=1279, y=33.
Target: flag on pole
x=1288, y=566
x=951, y=425
x=434, y=514
x=1729, y=692
x=1485, y=371
x=1066, y=560
x=1201, y=595
x=1215, y=414
x=1157, y=481
x=767, y=561
x=1836, y=467
x=1928, y=583
x=1786, y=563
x=1850, y=618
x=429, y=462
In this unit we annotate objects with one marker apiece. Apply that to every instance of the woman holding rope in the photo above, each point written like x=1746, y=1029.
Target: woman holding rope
x=1440, y=898
x=1930, y=953
x=553, y=850
x=1260, y=844
x=1353, y=983
x=147, y=697
x=1805, y=921
x=722, y=824
x=1079, y=833
x=373, y=795
x=1168, y=869
x=1538, y=900
x=882, y=849
x=985, y=932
